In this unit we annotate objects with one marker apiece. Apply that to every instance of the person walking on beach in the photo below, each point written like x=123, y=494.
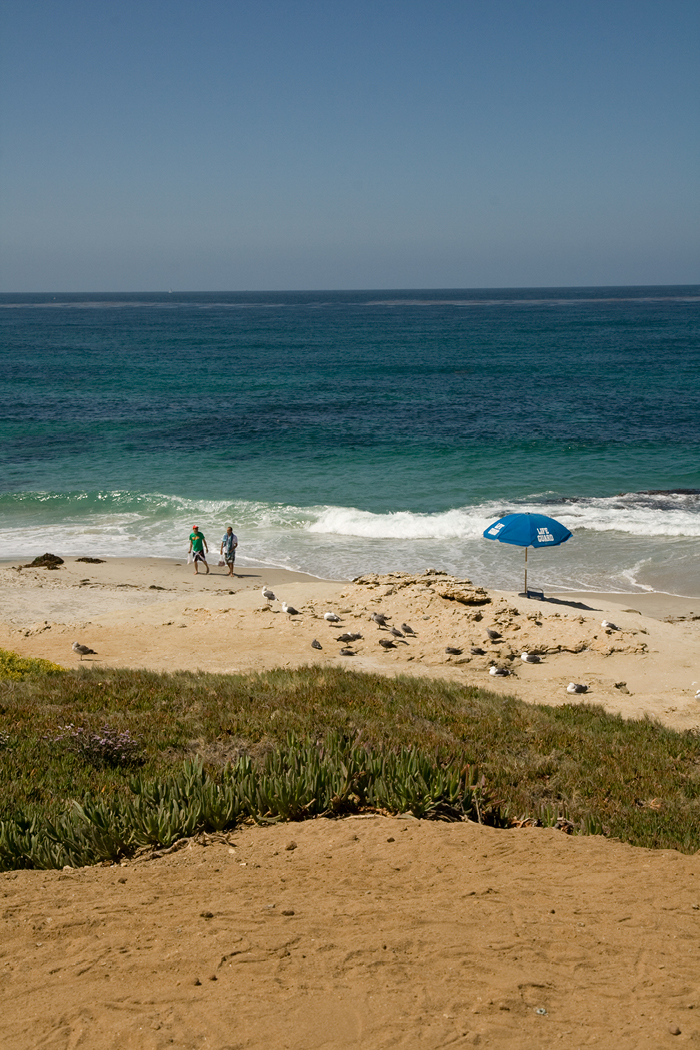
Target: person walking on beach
x=228, y=548
x=198, y=546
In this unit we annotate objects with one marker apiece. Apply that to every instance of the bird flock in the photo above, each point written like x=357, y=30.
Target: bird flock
x=392, y=637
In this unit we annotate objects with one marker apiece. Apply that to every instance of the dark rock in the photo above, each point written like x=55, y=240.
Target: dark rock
x=45, y=561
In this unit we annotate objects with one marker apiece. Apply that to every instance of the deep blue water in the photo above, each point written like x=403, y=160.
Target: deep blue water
x=350, y=430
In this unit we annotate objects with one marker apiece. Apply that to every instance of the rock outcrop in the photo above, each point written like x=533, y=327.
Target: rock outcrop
x=451, y=588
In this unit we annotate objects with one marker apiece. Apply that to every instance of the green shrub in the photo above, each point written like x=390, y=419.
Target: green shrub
x=16, y=668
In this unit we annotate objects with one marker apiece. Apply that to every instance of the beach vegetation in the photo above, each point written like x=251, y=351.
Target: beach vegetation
x=115, y=760
x=14, y=667
x=298, y=780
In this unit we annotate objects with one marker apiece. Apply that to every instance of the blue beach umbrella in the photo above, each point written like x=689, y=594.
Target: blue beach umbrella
x=528, y=530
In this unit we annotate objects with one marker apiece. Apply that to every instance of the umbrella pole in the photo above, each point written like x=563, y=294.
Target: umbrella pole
x=526, y=572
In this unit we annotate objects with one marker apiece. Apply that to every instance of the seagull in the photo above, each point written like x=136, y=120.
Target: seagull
x=379, y=618
x=576, y=687
x=345, y=651
x=83, y=650
x=452, y=651
x=355, y=635
x=290, y=610
x=331, y=617
x=499, y=672
x=610, y=626
x=396, y=632
x=387, y=643
x=346, y=637
x=476, y=651
x=530, y=658
x=269, y=595
x=316, y=644
x=493, y=635
x=406, y=629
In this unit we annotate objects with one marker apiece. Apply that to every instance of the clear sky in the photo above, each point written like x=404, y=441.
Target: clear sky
x=297, y=144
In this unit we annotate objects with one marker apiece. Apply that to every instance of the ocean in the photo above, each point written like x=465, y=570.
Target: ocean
x=350, y=432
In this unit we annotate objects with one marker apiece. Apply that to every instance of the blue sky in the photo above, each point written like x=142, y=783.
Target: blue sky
x=295, y=144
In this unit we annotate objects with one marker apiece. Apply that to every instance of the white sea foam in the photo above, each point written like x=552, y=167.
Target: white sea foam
x=403, y=525
x=637, y=514
x=641, y=541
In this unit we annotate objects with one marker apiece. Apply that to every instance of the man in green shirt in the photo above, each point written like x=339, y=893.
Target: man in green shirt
x=198, y=545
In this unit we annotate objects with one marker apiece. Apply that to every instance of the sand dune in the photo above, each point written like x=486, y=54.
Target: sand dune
x=371, y=933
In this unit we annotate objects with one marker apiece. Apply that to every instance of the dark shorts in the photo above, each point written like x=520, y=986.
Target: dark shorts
x=199, y=556
x=229, y=557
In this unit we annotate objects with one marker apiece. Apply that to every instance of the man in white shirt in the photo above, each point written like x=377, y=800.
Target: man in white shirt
x=228, y=549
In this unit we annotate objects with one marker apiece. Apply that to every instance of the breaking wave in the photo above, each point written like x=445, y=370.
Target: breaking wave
x=629, y=542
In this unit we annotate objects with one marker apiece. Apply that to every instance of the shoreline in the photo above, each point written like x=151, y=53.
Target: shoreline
x=655, y=604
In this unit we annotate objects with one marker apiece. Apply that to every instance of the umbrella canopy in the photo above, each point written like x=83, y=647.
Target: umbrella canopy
x=528, y=530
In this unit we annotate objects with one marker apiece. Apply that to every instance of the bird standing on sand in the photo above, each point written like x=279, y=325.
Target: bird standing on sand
x=82, y=650
x=290, y=610
x=493, y=635
x=396, y=632
x=406, y=629
x=331, y=617
x=386, y=643
x=379, y=618
x=267, y=594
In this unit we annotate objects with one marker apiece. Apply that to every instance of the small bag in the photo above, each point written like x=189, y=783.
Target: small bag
x=190, y=558
x=221, y=560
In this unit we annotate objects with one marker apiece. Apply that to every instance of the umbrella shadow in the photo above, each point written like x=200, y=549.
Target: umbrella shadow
x=571, y=605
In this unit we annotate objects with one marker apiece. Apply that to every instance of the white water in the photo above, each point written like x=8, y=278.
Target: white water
x=629, y=543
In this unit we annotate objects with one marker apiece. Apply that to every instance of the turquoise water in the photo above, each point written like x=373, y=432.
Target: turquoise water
x=342, y=432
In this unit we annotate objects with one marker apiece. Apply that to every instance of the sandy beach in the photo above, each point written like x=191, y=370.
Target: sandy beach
x=157, y=614
x=360, y=934
x=371, y=932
